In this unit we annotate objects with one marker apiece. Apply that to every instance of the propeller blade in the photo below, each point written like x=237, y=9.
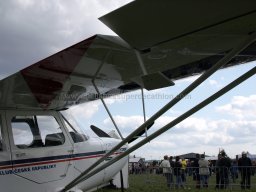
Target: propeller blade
x=99, y=132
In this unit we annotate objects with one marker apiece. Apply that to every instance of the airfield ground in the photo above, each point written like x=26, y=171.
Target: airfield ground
x=156, y=183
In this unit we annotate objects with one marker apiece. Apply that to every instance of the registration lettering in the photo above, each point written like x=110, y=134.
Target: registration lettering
x=27, y=169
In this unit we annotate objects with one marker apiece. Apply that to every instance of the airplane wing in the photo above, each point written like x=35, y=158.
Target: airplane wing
x=159, y=42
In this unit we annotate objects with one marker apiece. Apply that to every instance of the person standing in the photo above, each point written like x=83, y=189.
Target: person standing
x=244, y=166
x=234, y=170
x=203, y=171
x=167, y=170
x=183, y=170
x=172, y=163
x=224, y=165
x=177, y=173
x=196, y=171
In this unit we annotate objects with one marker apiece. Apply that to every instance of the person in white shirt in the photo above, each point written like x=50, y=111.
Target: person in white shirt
x=203, y=171
x=167, y=170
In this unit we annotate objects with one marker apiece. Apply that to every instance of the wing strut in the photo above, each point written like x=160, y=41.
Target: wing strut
x=144, y=110
x=101, y=96
x=90, y=172
x=176, y=121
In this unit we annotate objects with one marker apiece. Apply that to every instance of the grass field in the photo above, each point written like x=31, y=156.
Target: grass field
x=157, y=183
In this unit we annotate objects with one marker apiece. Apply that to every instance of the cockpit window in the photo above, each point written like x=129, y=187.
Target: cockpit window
x=22, y=133
x=36, y=131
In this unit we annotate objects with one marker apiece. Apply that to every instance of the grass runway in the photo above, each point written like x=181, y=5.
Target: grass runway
x=157, y=183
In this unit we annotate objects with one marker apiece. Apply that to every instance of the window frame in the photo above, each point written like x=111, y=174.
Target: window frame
x=54, y=114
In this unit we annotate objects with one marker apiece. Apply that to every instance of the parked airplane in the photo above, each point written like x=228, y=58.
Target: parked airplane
x=43, y=150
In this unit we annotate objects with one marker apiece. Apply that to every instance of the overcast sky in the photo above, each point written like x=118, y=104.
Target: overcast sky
x=32, y=30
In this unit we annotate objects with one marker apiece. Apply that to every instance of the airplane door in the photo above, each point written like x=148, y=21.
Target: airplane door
x=41, y=150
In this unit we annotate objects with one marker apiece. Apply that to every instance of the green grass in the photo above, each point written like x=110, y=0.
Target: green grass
x=157, y=183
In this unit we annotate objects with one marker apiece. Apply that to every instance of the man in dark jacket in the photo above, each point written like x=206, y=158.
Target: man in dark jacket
x=224, y=164
x=196, y=171
x=171, y=161
x=177, y=173
x=244, y=166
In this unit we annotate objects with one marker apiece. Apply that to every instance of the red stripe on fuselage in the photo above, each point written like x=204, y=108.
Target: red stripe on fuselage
x=53, y=161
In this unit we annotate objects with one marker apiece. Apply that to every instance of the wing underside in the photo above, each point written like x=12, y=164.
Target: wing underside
x=169, y=41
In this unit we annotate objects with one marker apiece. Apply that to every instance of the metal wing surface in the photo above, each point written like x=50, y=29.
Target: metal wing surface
x=65, y=78
x=160, y=41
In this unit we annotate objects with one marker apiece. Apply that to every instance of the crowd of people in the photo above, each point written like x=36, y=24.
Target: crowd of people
x=225, y=169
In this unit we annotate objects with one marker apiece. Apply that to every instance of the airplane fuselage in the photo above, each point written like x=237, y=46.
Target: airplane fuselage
x=40, y=151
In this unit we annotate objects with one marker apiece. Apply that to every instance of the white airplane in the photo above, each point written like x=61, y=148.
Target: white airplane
x=159, y=41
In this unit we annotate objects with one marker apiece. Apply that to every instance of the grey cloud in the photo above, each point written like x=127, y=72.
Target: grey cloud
x=33, y=30
x=241, y=130
x=242, y=107
x=197, y=132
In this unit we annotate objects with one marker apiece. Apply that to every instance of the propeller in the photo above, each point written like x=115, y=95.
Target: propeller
x=102, y=133
x=99, y=132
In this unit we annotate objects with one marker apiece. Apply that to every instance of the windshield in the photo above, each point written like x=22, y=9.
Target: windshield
x=71, y=123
